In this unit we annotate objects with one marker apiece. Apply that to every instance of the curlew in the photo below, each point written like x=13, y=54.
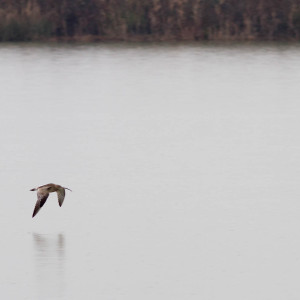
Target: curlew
x=43, y=193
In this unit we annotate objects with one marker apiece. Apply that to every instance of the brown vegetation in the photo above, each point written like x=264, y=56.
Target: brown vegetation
x=149, y=19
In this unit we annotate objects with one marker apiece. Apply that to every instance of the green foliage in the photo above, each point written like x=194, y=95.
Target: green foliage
x=296, y=20
x=137, y=20
x=18, y=31
x=42, y=29
x=15, y=31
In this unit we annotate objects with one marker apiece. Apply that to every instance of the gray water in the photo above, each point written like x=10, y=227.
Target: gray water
x=184, y=161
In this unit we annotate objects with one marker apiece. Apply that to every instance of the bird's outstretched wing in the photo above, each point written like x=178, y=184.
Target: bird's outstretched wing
x=61, y=196
x=42, y=197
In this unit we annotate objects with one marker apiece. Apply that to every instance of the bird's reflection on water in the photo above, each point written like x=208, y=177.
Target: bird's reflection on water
x=49, y=259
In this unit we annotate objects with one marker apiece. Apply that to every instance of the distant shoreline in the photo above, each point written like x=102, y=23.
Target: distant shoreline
x=149, y=20
x=140, y=39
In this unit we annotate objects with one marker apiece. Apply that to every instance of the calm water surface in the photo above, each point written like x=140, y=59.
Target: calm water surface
x=184, y=161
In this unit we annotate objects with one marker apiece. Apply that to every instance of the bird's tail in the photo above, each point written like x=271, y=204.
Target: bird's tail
x=33, y=189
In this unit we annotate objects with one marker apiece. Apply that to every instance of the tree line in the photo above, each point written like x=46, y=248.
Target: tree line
x=23, y=20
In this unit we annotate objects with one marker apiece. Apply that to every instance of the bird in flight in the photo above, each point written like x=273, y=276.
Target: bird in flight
x=43, y=194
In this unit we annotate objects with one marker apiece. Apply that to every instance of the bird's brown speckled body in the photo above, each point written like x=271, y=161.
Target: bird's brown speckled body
x=43, y=193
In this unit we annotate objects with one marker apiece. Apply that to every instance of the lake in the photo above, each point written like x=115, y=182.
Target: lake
x=184, y=161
